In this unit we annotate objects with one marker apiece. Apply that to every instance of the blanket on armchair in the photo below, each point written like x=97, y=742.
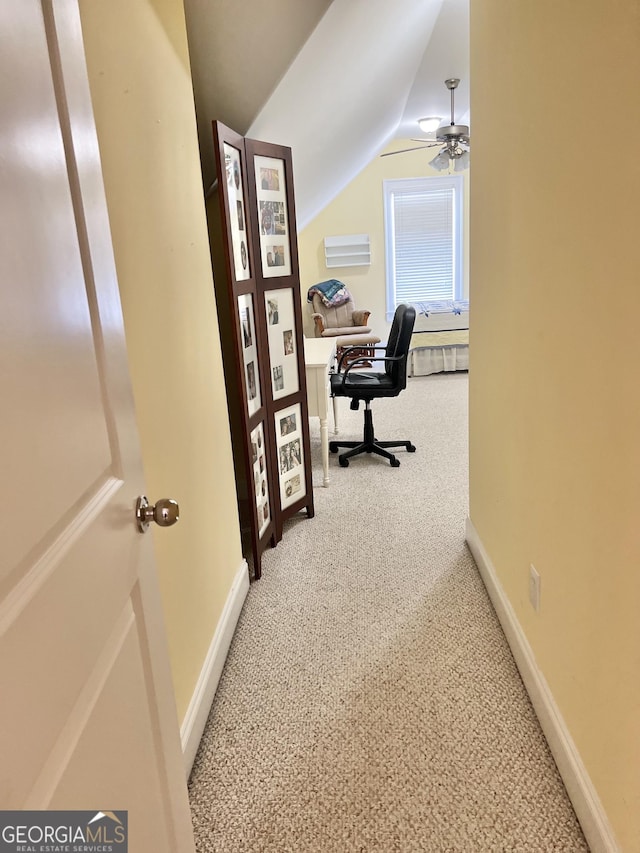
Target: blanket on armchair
x=332, y=292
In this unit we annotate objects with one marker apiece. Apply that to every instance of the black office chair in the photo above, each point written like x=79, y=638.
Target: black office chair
x=367, y=385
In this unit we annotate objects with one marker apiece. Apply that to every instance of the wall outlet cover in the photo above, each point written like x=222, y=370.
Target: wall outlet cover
x=534, y=587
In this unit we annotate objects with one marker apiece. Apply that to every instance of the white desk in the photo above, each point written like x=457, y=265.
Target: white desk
x=319, y=355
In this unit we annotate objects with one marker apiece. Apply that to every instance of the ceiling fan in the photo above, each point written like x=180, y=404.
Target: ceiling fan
x=453, y=139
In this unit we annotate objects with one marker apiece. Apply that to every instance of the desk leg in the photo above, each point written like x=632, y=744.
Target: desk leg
x=324, y=441
x=335, y=415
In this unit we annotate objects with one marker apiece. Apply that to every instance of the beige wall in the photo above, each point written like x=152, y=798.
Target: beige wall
x=143, y=102
x=359, y=209
x=555, y=357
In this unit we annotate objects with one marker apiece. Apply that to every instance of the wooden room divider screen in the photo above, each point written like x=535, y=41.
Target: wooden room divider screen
x=257, y=282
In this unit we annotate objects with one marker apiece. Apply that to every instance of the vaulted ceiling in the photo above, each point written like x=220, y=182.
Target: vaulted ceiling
x=335, y=81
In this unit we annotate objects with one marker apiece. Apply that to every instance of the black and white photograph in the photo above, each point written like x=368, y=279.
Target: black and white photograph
x=236, y=212
x=260, y=478
x=281, y=332
x=246, y=319
x=247, y=332
x=271, y=193
x=228, y=166
x=251, y=381
x=291, y=472
x=278, y=378
x=290, y=456
x=288, y=424
x=272, y=310
x=284, y=461
x=272, y=218
x=282, y=335
x=292, y=485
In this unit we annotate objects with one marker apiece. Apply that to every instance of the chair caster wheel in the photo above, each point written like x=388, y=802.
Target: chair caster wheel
x=395, y=463
x=343, y=462
x=411, y=448
x=333, y=447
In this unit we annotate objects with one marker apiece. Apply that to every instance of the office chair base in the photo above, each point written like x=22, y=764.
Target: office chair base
x=369, y=445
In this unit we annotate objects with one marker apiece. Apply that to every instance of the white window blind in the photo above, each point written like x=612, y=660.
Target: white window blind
x=423, y=237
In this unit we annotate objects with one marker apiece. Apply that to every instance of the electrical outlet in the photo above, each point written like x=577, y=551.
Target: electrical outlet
x=534, y=588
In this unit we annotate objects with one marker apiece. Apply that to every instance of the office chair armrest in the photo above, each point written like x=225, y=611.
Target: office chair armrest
x=319, y=321
x=347, y=350
x=367, y=359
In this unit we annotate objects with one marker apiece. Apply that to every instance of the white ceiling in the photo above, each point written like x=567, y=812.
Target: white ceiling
x=335, y=81
x=446, y=55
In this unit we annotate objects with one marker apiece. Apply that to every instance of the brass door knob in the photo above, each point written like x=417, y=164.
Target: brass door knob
x=165, y=513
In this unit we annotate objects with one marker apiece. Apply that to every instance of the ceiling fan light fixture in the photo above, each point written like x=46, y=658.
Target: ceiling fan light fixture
x=429, y=124
x=462, y=162
x=455, y=151
x=454, y=139
x=441, y=161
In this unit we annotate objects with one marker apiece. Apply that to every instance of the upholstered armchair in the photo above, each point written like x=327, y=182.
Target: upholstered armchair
x=334, y=320
x=347, y=324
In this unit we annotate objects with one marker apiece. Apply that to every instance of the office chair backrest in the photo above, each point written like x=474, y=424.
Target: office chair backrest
x=398, y=344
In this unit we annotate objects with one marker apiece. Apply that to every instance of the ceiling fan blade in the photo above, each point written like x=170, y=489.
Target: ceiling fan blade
x=416, y=148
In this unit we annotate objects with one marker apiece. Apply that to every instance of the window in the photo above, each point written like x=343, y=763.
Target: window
x=423, y=231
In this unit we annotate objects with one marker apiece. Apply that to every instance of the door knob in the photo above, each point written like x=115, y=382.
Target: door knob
x=165, y=513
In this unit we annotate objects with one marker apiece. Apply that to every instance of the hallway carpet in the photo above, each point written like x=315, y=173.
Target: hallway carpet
x=370, y=701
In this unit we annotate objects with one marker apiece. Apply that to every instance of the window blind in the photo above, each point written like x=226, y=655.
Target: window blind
x=424, y=254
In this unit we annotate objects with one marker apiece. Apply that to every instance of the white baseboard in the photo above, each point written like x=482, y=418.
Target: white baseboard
x=196, y=717
x=582, y=794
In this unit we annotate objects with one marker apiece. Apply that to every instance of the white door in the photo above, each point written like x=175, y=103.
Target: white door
x=87, y=715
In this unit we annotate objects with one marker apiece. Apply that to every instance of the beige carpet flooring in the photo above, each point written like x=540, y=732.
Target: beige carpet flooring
x=370, y=701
